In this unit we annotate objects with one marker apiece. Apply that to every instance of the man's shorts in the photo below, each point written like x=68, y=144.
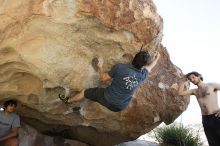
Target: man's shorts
x=211, y=125
x=97, y=95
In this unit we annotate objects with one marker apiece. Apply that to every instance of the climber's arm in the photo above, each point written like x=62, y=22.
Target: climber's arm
x=150, y=66
x=104, y=75
x=183, y=91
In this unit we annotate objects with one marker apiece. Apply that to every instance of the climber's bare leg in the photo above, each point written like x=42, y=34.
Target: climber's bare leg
x=78, y=97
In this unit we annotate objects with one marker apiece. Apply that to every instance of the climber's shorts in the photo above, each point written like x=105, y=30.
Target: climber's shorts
x=97, y=95
x=211, y=125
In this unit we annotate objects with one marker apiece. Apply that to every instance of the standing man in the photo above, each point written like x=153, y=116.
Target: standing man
x=126, y=78
x=9, y=124
x=207, y=97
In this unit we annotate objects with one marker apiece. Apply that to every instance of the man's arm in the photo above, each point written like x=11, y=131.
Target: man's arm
x=12, y=133
x=183, y=91
x=216, y=86
x=153, y=63
x=104, y=75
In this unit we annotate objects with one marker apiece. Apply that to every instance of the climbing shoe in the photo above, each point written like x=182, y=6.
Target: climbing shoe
x=63, y=98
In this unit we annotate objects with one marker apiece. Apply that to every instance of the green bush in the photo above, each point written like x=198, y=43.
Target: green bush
x=175, y=135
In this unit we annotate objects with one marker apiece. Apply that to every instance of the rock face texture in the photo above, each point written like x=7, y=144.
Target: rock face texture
x=46, y=47
x=29, y=136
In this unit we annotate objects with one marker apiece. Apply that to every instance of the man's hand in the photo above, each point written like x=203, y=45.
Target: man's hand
x=183, y=88
x=100, y=62
x=97, y=63
x=185, y=81
x=154, y=60
x=217, y=113
x=11, y=134
x=157, y=55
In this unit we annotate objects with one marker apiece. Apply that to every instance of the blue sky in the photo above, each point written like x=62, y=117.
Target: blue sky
x=192, y=38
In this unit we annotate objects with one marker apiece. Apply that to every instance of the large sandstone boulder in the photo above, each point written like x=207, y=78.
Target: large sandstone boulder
x=46, y=46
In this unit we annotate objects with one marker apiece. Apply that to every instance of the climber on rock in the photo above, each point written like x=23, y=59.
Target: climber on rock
x=207, y=97
x=126, y=78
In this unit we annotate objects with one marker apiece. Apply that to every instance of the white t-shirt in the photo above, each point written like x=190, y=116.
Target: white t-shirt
x=7, y=122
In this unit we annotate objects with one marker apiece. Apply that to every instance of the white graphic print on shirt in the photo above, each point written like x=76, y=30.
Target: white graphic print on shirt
x=130, y=82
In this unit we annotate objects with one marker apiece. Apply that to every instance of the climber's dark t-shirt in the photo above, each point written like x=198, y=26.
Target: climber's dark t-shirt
x=125, y=81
